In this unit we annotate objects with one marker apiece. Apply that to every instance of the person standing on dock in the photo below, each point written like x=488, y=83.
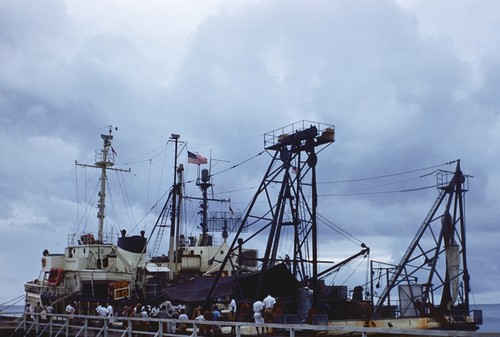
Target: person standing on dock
x=258, y=306
x=38, y=310
x=111, y=313
x=49, y=309
x=136, y=324
x=232, y=314
x=163, y=315
x=215, y=313
x=269, y=303
x=27, y=311
x=183, y=317
x=244, y=314
x=102, y=311
x=70, y=310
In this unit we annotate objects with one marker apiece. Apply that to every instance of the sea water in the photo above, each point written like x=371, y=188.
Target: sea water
x=12, y=310
x=491, y=317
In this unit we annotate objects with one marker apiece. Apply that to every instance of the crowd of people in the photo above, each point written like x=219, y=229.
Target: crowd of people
x=38, y=309
x=259, y=312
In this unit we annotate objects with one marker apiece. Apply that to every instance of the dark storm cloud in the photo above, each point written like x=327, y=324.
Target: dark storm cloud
x=403, y=88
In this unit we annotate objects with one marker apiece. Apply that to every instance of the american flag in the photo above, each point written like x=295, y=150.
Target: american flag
x=194, y=158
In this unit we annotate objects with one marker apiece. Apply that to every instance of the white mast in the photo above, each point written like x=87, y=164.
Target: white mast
x=104, y=159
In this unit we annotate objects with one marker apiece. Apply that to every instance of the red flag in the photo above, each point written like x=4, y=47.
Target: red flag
x=196, y=159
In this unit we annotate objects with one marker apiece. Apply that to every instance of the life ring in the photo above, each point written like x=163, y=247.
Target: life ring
x=43, y=262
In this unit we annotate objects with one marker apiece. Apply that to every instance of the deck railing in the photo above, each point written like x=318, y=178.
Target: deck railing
x=37, y=288
x=63, y=325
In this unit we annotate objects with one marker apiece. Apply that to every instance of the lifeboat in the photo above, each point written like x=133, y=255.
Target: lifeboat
x=55, y=276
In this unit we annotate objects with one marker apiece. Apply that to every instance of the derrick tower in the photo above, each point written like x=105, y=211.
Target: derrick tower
x=285, y=203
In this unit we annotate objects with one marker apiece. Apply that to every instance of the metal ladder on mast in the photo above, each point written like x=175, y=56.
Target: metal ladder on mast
x=161, y=225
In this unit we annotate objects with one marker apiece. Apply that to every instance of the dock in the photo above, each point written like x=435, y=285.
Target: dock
x=84, y=326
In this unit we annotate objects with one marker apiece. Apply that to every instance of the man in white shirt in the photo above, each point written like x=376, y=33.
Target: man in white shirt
x=49, y=309
x=258, y=306
x=70, y=310
x=183, y=317
x=111, y=313
x=232, y=314
x=269, y=303
x=102, y=311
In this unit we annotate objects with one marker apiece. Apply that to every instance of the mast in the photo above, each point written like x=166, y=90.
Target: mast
x=103, y=164
x=180, y=196
x=172, y=243
x=204, y=185
x=105, y=160
x=434, y=253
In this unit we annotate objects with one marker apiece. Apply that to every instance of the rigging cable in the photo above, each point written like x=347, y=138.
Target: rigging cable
x=10, y=303
x=150, y=210
x=389, y=184
x=239, y=164
x=388, y=175
x=113, y=208
x=339, y=230
x=128, y=204
x=363, y=179
x=337, y=270
x=85, y=216
x=136, y=160
x=162, y=171
x=380, y=192
x=360, y=191
x=149, y=181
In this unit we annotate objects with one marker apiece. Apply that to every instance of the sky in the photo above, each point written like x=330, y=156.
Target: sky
x=408, y=85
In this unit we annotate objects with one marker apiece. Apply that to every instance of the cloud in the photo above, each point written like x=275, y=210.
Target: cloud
x=406, y=84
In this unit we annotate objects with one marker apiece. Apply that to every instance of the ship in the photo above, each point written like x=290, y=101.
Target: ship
x=99, y=268
x=428, y=289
